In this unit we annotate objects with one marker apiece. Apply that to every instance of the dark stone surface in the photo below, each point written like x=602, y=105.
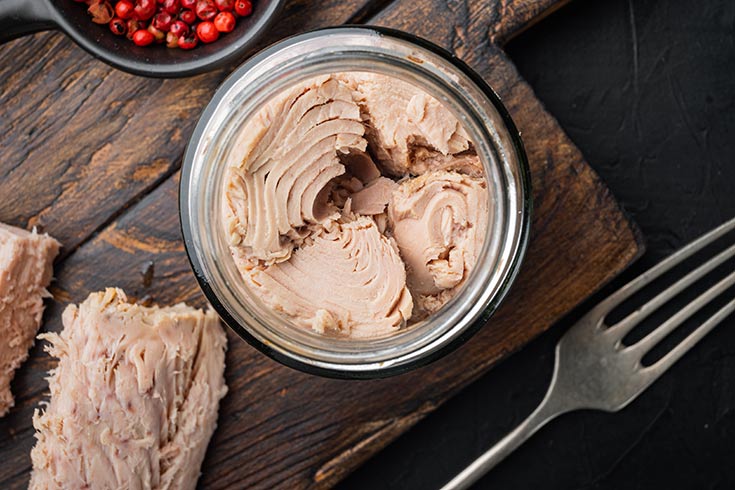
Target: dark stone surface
x=647, y=91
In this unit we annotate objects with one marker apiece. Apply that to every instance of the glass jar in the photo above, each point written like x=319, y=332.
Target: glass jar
x=365, y=49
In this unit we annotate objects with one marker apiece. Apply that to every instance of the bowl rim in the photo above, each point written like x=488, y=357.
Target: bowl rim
x=523, y=237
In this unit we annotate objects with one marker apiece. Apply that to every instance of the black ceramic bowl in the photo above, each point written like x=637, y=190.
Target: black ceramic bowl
x=19, y=17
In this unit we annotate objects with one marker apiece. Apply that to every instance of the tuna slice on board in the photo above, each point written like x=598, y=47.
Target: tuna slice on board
x=134, y=397
x=26, y=268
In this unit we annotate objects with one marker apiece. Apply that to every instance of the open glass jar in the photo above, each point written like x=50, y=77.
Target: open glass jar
x=355, y=49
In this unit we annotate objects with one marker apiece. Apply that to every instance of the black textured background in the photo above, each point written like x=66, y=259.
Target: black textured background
x=647, y=90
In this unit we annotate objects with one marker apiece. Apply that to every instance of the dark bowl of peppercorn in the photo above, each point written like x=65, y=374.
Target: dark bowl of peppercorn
x=158, y=38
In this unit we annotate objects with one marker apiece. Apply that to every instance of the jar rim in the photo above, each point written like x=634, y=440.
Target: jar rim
x=201, y=138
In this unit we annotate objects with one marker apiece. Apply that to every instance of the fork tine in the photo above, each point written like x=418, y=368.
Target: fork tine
x=681, y=316
x=604, y=307
x=626, y=324
x=658, y=368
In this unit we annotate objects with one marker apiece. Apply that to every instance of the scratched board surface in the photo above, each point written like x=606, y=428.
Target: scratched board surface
x=91, y=155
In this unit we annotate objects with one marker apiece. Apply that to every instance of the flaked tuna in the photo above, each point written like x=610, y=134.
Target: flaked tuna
x=347, y=280
x=134, y=396
x=373, y=198
x=26, y=268
x=307, y=208
x=426, y=160
x=404, y=124
x=291, y=152
x=439, y=221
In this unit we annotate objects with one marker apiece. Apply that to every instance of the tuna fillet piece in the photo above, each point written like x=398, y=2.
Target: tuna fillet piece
x=402, y=119
x=347, y=280
x=374, y=198
x=292, y=150
x=426, y=160
x=439, y=221
x=134, y=397
x=26, y=268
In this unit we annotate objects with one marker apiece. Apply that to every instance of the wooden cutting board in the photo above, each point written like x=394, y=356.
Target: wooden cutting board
x=91, y=155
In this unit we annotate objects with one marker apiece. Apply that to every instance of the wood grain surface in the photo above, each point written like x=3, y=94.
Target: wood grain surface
x=91, y=155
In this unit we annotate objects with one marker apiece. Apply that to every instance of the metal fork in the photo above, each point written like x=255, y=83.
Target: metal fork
x=594, y=370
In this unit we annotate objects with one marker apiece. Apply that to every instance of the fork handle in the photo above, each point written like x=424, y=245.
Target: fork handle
x=549, y=409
